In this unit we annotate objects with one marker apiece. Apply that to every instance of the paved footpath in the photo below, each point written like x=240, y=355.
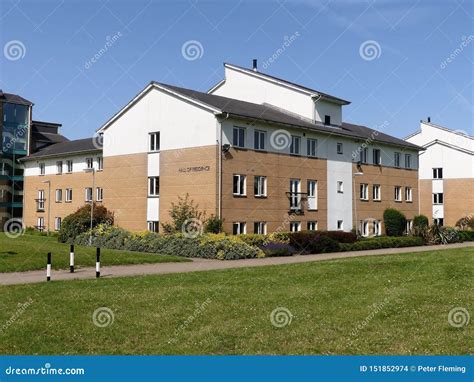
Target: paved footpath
x=203, y=265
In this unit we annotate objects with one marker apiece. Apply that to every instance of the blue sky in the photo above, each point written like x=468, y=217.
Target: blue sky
x=402, y=77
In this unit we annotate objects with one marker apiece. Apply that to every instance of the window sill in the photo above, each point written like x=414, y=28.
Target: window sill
x=364, y=200
x=68, y=201
x=408, y=201
x=153, y=196
x=260, y=196
x=99, y=170
x=154, y=151
x=312, y=209
x=377, y=200
x=239, y=196
x=398, y=201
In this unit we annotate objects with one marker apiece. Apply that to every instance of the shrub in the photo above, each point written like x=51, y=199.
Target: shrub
x=340, y=236
x=383, y=242
x=80, y=221
x=395, y=222
x=213, y=225
x=420, y=222
x=308, y=242
x=280, y=237
x=466, y=223
x=254, y=239
x=443, y=235
x=274, y=249
x=181, y=212
x=466, y=235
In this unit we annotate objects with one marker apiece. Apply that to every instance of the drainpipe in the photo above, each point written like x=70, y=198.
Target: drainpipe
x=219, y=192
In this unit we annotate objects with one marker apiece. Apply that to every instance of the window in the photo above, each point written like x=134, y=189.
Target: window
x=438, y=173
x=364, y=191
x=260, y=228
x=340, y=187
x=42, y=168
x=376, y=158
x=239, y=137
x=312, y=226
x=364, y=155
x=295, y=195
x=99, y=194
x=438, y=198
x=59, y=167
x=340, y=148
x=364, y=228
x=396, y=159
x=153, y=226
x=154, y=143
x=239, y=185
x=377, y=228
x=407, y=160
x=259, y=140
x=340, y=225
x=295, y=145
x=69, y=166
x=59, y=195
x=260, y=186
x=311, y=145
x=376, y=194
x=438, y=221
x=154, y=186
x=100, y=163
x=398, y=194
x=295, y=226
x=68, y=195
x=40, y=224
x=57, y=223
x=238, y=228
x=89, y=163
x=312, y=195
x=408, y=194
x=409, y=226
x=40, y=201
x=88, y=194
x=327, y=119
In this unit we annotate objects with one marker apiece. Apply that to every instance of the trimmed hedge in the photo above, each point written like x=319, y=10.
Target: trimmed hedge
x=383, y=242
x=395, y=222
x=312, y=242
x=466, y=235
x=274, y=249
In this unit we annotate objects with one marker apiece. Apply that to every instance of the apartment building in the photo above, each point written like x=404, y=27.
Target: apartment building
x=20, y=135
x=260, y=152
x=446, y=173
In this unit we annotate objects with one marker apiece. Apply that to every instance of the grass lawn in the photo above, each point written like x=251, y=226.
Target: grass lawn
x=394, y=304
x=28, y=252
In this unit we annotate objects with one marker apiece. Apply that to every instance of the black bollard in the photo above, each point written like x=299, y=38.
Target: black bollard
x=71, y=259
x=48, y=268
x=97, y=263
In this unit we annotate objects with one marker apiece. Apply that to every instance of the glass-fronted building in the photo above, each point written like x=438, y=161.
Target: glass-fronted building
x=15, y=125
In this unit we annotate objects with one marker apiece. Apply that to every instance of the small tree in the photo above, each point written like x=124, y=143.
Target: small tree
x=420, y=225
x=395, y=222
x=213, y=225
x=180, y=213
x=80, y=221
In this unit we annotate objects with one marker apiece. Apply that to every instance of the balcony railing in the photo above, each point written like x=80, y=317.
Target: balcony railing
x=40, y=203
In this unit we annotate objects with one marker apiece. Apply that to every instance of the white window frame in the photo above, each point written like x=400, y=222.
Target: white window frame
x=408, y=226
x=364, y=191
x=59, y=167
x=239, y=185
x=89, y=163
x=154, y=142
x=377, y=192
x=68, y=195
x=312, y=147
x=436, y=198
x=239, y=228
x=259, y=139
x=99, y=194
x=376, y=157
x=40, y=201
x=260, y=186
x=364, y=155
x=364, y=228
x=88, y=194
x=437, y=173
x=396, y=159
x=57, y=223
x=312, y=197
x=340, y=225
x=295, y=145
x=153, y=186
x=295, y=194
x=239, y=140
x=312, y=225
x=42, y=168
x=397, y=193
x=295, y=226
x=153, y=226
x=407, y=160
x=340, y=148
x=70, y=166
x=340, y=187
x=58, y=195
x=100, y=163
x=377, y=228
x=260, y=228
x=408, y=194
x=40, y=224
x=438, y=221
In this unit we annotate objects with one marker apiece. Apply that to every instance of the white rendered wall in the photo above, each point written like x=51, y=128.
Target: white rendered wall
x=79, y=164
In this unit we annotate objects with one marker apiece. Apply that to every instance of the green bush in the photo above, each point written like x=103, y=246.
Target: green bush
x=311, y=242
x=395, y=222
x=466, y=235
x=443, y=235
x=255, y=239
x=213, y=225
x=80, y=221
x=180, y=213
x=274, y=249
x=383, y=242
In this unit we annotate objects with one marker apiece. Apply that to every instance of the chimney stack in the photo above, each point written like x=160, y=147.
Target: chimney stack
x=429, y=119
x=254, y=64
